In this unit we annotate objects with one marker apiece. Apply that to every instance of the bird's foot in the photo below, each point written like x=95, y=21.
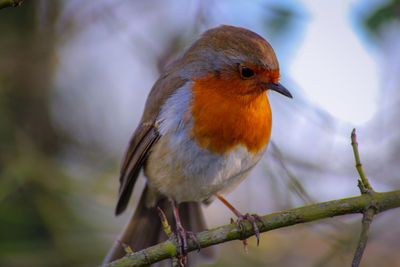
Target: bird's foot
x=252, y=218
x=182, y=236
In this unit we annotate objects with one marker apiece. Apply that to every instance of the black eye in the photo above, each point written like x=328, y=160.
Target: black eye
x=246, y=72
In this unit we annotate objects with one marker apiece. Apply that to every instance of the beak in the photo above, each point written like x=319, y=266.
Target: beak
x=278, y=88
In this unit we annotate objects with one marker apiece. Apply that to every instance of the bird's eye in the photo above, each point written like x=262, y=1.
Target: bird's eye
x=246, y=72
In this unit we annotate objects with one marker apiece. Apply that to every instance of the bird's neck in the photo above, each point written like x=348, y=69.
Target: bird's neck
x=223, y=121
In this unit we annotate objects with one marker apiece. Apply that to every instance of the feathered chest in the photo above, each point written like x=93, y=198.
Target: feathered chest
x=191, y=162
x=223, y=121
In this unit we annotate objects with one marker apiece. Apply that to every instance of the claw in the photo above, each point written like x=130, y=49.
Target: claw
x=182, y=239
x=182, y=242
x=195, y=240
x=252, y=219
x=182, y=235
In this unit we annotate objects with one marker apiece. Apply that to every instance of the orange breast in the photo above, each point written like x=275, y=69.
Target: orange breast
x=224, y=118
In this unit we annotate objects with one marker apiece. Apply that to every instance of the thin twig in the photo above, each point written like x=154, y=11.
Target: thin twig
x=295, y=184
x=364, y=185
x=368, y=213
x=362, y=243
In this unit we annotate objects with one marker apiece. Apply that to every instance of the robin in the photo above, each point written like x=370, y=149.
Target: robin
x=206, y=124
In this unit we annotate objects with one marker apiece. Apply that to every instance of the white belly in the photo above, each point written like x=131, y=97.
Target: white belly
x=177, y=167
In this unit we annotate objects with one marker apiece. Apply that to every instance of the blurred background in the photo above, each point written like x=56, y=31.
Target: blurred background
x=74, y=76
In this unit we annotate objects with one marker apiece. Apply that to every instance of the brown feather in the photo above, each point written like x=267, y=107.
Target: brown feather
x=144, y=137
x=134, y=160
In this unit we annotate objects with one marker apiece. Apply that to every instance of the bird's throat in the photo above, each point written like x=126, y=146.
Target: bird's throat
x=222, y=120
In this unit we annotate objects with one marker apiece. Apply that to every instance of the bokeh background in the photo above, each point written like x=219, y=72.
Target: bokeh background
x=74, y=76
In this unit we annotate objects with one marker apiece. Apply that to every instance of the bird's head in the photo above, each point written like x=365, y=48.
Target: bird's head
x=235, y=59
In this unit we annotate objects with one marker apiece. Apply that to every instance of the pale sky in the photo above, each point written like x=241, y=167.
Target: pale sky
x=333, y=67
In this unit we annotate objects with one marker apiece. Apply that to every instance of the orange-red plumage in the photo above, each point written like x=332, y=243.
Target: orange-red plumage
x=228, y=113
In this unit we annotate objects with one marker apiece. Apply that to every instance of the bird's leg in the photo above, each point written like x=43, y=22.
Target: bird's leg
x=182, y=234
x=252, y=218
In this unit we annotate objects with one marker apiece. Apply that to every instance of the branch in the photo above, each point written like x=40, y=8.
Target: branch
x=369, y=212
x=10, y=3
x=362, y=243
x=168, y=249
x=363, y=184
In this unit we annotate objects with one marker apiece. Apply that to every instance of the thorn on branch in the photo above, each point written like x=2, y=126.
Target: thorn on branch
x=362, y=187
x=126, y=247
x=176, y=261
x=164, y=222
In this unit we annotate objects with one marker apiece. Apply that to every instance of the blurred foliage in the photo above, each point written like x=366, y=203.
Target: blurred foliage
x=382, y=15
x=280, y=19
x=37, y=223
x=56, y=193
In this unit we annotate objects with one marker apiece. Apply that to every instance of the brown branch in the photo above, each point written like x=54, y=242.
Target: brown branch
x=10, y=3
x=362, y=243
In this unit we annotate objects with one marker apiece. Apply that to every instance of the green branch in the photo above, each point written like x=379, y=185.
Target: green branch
x=381, y=201
x=363, y=184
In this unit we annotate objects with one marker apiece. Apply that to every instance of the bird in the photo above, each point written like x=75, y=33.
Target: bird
x=205, y=125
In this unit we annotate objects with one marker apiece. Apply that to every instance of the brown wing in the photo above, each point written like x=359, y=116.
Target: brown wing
x=144, y=137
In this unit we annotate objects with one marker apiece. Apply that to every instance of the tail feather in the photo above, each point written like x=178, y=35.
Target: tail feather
x=144, y=228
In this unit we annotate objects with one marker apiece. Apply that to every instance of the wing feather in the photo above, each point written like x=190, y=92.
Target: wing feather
x=141, y=142
x=144, y=137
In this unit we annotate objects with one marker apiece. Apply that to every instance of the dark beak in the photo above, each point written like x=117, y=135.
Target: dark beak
x=278, y=88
